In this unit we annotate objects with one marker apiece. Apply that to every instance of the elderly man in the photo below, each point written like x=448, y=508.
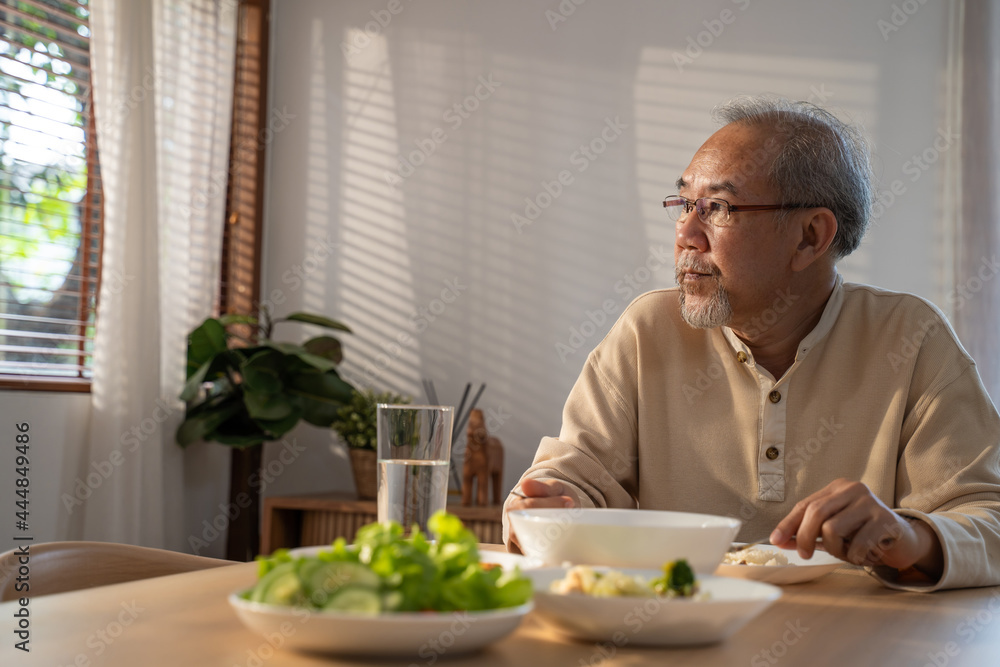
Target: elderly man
x=766, y=388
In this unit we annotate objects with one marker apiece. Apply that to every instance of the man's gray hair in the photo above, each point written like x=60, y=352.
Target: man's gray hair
x=820, y=161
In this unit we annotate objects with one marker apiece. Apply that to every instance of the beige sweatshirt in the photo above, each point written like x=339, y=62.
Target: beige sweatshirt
x=665, y=416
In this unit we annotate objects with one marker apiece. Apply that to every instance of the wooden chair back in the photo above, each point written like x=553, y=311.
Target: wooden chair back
x=58, y=567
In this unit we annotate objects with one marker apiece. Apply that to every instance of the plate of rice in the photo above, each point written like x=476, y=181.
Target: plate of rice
x=776, y=566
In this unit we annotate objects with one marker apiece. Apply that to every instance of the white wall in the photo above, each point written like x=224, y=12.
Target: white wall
x=57, y=426
x=61, y=478
x=380, y=256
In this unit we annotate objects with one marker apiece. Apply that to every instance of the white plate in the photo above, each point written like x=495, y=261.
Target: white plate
x=421, y=634
x=731, y=604
x=797, y=571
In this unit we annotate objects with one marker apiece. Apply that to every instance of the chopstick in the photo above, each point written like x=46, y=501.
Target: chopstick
x=432, y=396
x=767, y=541
x=472, y=406
x=461, y=406
x=458, y=424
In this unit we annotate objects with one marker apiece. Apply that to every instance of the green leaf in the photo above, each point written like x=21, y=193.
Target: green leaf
x=204, y=343
x=201, y=422
x=319, y=363
x=284, y=348
x=327, y=347
x=318, y=320
x=318, y=413
x=191, y=430
x=262, y=371
x=266, y=406
x=300, y=352
x=193, y=384
x=322, y=394
x=279, y=427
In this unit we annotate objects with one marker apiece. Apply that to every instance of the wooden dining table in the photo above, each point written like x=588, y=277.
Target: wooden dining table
x=844, y=618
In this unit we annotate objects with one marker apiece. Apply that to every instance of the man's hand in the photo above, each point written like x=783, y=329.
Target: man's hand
x=541, y=493
x=857, y=527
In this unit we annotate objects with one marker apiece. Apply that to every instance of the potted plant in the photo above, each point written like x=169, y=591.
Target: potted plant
x=356, y=424
x=244, y=390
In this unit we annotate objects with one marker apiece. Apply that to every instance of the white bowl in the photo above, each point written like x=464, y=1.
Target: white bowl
x=636, y=621
x=797, y=571
x=623, y=538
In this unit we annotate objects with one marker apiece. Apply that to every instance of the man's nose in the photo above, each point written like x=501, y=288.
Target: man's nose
x=691, y=232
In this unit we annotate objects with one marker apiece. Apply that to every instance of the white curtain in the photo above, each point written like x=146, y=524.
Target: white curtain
x=163, y=79
x=976, y=294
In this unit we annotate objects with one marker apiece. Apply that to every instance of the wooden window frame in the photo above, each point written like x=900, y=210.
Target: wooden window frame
x=243, y=236
x=239, y=289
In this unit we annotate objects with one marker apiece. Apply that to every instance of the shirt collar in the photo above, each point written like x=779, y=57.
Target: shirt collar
x=822, y=328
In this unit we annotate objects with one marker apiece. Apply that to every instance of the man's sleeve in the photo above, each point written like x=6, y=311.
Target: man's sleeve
x=948, y=476
x=595, y=453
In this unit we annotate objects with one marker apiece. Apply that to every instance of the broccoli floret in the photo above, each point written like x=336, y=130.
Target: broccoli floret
x=677, y=580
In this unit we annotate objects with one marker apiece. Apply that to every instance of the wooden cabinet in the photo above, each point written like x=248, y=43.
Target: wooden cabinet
x=319, y=519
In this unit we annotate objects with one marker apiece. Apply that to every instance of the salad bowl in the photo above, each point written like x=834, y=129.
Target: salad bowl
x=388, y=594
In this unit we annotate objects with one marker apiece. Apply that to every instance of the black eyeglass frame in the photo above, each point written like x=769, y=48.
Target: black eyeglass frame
x=730, y=209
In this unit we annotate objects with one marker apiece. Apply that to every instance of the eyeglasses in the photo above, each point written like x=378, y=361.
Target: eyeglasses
x=715, y=212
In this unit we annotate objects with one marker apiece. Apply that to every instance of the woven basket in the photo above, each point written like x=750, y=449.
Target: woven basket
x=363, y=462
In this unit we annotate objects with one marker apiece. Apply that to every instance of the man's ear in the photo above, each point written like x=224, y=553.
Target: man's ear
x=818, y=227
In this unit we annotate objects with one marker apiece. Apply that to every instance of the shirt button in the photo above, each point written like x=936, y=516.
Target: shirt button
x=772, y=453
x=775, y=396
x=741, y=357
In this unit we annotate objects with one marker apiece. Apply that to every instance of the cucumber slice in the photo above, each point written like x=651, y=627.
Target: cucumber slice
x=325, y=581
x=356, y=600
x=279, y=586
x=307, y=568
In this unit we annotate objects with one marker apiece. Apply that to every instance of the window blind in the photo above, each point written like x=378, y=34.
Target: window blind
x=50, y=194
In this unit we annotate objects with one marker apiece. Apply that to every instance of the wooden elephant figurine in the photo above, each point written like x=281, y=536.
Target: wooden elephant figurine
x=483, y=462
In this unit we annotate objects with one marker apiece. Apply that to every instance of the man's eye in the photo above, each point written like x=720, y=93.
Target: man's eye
x=715, y=207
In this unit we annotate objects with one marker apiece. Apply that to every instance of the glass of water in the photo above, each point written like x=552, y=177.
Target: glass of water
x=414, y=452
